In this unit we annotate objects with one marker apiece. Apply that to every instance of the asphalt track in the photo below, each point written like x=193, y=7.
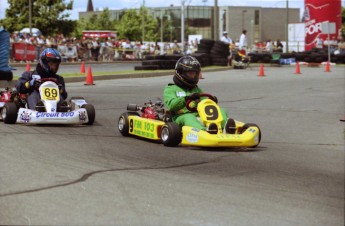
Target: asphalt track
x=91, y=175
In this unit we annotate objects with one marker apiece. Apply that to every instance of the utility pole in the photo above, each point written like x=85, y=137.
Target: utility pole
x=287, y=26
x=143, y=22
x=182, y=24
x=161, y=26
x=30, y=17
x=215, y=20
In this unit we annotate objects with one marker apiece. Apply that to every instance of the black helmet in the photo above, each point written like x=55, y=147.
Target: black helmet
x=183, y=65
x=49, y=55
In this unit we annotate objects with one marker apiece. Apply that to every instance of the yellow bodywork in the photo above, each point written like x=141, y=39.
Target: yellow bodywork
x=201, y=138
x=144, y=127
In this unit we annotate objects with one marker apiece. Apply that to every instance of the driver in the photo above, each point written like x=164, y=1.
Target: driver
x=47, y=67
x=186, y=78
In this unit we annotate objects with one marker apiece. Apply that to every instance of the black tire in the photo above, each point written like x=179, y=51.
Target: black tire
x=171, y=135
x=6, y=75
x=123, y=123
x=10, y=113
x=91, y=113
x=246, y=126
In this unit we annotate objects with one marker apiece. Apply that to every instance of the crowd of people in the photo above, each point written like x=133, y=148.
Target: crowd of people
x=111, y=48
x=95, y=48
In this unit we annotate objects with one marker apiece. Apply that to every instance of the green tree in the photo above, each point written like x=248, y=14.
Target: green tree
x=97, y=21
x=133, y=24
x=47, y=15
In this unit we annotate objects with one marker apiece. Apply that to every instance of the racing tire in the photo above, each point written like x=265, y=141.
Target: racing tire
x=91, y=113
x=6, y=75
x=246, y=126
x=10, y=113
x=170, y=134
x=123, y=123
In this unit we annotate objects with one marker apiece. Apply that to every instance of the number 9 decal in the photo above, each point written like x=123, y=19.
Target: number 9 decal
x=211, y=112
x=131, y=125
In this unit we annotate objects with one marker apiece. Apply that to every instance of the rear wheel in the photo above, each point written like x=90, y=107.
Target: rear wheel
x=246, y=126
x=91, y=113
x=123, y=123
x=171, y=134
x=9, y=113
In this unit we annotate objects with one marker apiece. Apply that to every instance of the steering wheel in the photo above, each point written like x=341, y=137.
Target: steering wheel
x=48, y=80
x=194, y=109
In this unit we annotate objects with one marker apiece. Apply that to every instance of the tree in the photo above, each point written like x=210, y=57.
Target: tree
x=132, y=23
x=97, y=21
x=47, y=15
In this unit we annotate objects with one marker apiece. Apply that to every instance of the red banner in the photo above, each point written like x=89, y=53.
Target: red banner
x=99, y=34
x=317, y=12
x=24, y=52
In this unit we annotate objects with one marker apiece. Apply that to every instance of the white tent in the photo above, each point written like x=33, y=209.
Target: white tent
x=35, y=31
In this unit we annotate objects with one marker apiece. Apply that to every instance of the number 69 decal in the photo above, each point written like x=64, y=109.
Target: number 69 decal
x=50, y=93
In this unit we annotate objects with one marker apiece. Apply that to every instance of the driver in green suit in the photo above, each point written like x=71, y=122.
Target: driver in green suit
x=186, y=78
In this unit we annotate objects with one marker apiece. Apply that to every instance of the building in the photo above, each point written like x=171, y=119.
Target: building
x=261, y=23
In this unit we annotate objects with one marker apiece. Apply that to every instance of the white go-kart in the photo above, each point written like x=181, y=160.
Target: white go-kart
x=49, y=110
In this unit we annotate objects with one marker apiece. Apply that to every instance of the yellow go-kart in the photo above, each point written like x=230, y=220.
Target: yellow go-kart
x=155, y=123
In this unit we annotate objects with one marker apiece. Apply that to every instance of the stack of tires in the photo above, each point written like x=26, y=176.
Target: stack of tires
x=168, y=62
x=219, y=53
x=260, y=57
x=205, y=46
x=158, y=62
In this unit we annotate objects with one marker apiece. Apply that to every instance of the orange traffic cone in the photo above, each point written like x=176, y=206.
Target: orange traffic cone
x=328, y=67
x=298, y=70
x=82, y=68
x=27, y=67
x=201, y=75
x=89, y=79
x=261, y=72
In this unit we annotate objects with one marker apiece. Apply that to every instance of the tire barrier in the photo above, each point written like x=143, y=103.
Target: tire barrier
x=168, y=62
x=212, y=52
x=6, y=75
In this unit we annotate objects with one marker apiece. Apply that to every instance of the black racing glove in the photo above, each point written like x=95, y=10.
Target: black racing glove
x=193, y=96
x=215, y=99
x=37, y=84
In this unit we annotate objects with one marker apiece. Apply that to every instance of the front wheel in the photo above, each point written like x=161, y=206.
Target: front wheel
x=246, y=126
x=9, y=113
x=171, y=134
x=91, y=113
x=123, y=123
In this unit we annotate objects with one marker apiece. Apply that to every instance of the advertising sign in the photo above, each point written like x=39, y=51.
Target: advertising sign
x=24, y=52
x=318, y=12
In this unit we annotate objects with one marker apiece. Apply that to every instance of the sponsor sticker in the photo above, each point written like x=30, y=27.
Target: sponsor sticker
x=192, y=138
x=54, y=114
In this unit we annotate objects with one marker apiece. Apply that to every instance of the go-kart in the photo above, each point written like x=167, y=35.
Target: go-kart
x=49, y=110
x=155, y=123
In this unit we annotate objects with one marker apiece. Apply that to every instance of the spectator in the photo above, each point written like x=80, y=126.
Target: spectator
x=269, y=46
x=319, y=42
x=176, y=48
x=279, y=46
x=341, y=47
x=95, y=49
x=225, y=38
x=243, y=44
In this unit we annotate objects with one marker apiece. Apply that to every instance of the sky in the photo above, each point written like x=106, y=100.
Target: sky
x=80, y=5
